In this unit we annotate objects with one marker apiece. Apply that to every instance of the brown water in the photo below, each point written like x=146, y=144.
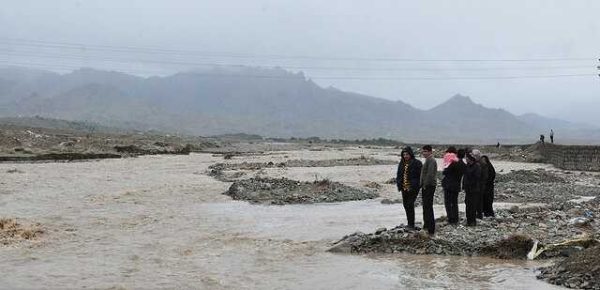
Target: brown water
x=159, y=222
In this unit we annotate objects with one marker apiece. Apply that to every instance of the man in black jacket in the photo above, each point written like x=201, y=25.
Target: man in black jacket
x=472, y=186
x=453, y=175
x=407, y=181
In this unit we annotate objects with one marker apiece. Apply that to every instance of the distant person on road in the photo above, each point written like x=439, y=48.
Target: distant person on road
x=472, y=186
x=408, y=181
x=428, y=183
x=551, y=136
x=453, y=174
x=488, y=192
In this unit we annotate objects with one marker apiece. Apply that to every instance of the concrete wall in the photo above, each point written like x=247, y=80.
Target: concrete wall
x=585, y=158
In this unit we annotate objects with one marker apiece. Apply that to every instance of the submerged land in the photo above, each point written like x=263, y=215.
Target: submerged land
x=160, y=203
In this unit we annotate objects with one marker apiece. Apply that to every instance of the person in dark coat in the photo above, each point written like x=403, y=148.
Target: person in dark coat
x=488, y=192
x=472, y=187
x=483, y=179
x=408, y=182
x=453, y=175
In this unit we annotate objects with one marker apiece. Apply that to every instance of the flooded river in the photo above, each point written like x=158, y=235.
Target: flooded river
x=160, y=222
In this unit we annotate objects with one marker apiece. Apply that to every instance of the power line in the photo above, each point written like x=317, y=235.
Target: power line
x=148, y=50
x=332, y=68
x=465, y=78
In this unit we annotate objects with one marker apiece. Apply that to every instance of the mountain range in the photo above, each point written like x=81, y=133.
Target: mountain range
x=270, y=102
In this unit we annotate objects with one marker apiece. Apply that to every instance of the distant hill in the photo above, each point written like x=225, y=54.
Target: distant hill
x=57, y=124
x=266, y=102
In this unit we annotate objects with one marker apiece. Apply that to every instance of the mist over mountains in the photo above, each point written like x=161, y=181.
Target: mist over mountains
x=268, y=102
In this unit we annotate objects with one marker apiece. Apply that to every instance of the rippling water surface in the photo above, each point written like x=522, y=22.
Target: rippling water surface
x=160, y=222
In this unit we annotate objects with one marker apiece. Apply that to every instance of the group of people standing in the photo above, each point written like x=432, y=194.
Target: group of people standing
x=476, y=177
x=542, y=137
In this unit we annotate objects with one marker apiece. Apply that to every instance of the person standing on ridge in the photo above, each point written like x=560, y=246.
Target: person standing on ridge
x=551, y=136
x=428, y=183
x=408, y=181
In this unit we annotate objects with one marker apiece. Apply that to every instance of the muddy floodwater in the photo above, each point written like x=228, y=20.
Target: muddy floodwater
x=161, y=222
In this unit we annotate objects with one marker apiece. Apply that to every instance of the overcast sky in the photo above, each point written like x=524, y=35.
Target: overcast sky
x=419, y=52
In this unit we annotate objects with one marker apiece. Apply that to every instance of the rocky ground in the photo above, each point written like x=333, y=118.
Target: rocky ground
x=286, y=191
x=580, y=271
x=554, y=231
x=542, y=186
x=531, y=176
x=545, y=224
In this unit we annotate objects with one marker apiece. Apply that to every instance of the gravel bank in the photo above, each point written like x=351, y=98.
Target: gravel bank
x=286, y=191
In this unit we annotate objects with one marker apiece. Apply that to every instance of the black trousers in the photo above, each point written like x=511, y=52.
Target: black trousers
x=408, y=200
x=488, y=201
x=451, y=204
x=428, y=215
x=479, y=204
x=471, y=199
